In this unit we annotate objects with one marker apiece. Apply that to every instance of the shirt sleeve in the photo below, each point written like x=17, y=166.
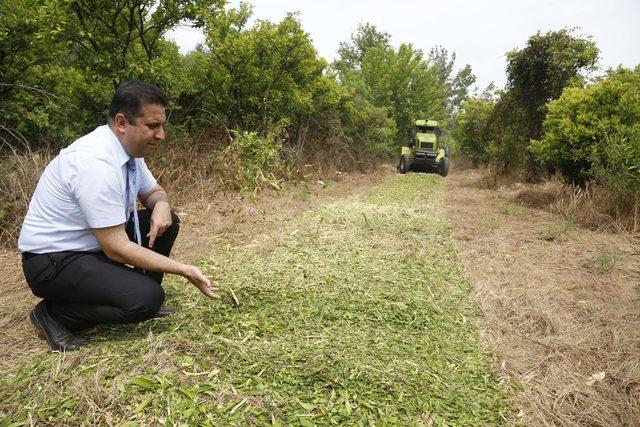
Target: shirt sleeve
x=146, y=181
x=98, y=190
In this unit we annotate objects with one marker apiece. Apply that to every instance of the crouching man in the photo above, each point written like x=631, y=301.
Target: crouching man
x=86, y=250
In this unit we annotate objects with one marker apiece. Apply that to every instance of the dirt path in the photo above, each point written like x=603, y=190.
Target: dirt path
x=561, y=305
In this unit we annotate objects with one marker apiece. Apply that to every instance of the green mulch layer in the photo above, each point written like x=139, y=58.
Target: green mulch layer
x=355, y=313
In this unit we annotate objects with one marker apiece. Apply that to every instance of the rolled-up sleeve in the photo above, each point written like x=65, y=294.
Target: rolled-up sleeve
x=99, y=193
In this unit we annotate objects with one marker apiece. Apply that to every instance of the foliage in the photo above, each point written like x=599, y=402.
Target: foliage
x=456, y=87
x=254, y=77
x=351, y=54
x=24, y=25
x=28, y=44
x=536, y=75
x=548, y=63
x=471, y=129
x=250, y=161
x=401, y=81
x=507, y=124
x=61, y=59
x=594, y=132
x=121, y=40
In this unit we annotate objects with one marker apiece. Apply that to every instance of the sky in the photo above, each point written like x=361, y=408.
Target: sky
x=480, y=32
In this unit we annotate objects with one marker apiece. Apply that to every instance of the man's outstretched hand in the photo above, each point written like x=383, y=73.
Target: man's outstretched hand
x=202, y=282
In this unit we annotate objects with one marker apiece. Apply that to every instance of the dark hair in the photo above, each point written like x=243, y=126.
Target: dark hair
x=132, y=95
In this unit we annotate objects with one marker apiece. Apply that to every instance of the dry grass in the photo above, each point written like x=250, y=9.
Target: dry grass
x=558, y=313
x=595, y=207
x=323, y=160
x=19, y=174
x=188, y=171
x=17, y=338
x=463, y=163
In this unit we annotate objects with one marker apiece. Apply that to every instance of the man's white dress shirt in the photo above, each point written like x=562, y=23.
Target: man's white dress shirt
x=84, y=187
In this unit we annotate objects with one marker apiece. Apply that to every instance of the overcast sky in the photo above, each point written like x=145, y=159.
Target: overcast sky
x=480, y=32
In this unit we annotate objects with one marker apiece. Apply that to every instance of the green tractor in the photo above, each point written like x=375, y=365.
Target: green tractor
x=423, y=151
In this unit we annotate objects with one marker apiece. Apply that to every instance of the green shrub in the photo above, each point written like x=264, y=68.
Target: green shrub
x=506, y=128
x=471, y=129
x=594, y=133
x=251, y=161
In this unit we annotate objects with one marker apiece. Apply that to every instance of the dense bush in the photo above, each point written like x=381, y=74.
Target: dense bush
x=594, y=132
x=471, y=129
x=536, y=74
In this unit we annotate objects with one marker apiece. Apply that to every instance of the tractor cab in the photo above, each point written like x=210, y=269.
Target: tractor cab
x=423, y=149
x=424, y=135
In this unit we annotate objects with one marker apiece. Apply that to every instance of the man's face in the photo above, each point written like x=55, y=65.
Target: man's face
x=140, y=137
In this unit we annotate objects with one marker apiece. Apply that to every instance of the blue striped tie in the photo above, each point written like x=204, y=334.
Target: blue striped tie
x=132, y=191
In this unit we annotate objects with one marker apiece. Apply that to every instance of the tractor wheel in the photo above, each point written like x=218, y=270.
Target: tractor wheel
x=404, y=165
x=443, y=167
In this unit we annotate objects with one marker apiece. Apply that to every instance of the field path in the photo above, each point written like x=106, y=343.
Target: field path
x=354, y=312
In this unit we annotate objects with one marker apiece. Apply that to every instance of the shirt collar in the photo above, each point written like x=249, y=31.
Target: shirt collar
x=121, y=153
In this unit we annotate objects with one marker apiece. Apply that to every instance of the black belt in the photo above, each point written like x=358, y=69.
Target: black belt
x=28, y=255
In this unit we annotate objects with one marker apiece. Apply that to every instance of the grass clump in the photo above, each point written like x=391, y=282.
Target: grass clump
x=509, y=210
x=559, y=233
x=355, y=314
x=605, y=260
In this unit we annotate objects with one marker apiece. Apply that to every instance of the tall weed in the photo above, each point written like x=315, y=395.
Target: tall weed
x=251, y=162
x=20, y=170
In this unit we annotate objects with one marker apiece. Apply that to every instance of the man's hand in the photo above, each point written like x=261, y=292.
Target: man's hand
x=202, y=282
x=160, y=221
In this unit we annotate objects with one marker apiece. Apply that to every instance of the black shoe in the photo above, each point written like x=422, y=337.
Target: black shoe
x=164, y=312
x=58, y=337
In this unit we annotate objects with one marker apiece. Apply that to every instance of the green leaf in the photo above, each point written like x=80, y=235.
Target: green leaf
x=308, y=406
x=68, y=404
x=306, y=423
x=145, y=383
x=141, y=406
x=595, y=378
x=187, y=393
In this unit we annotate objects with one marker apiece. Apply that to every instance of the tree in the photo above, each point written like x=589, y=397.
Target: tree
x=121, y=39
x=351, y=54
x=405, y=84
x=260, y=75
x=400, y=81
x=507, y=133
x=60, y=60
x=23, y=26
x=471, y=129
x=539, y=73
x=30, y=46
x=457, y=86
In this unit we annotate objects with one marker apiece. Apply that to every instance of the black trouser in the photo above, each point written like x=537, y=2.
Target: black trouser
x=83, y=289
